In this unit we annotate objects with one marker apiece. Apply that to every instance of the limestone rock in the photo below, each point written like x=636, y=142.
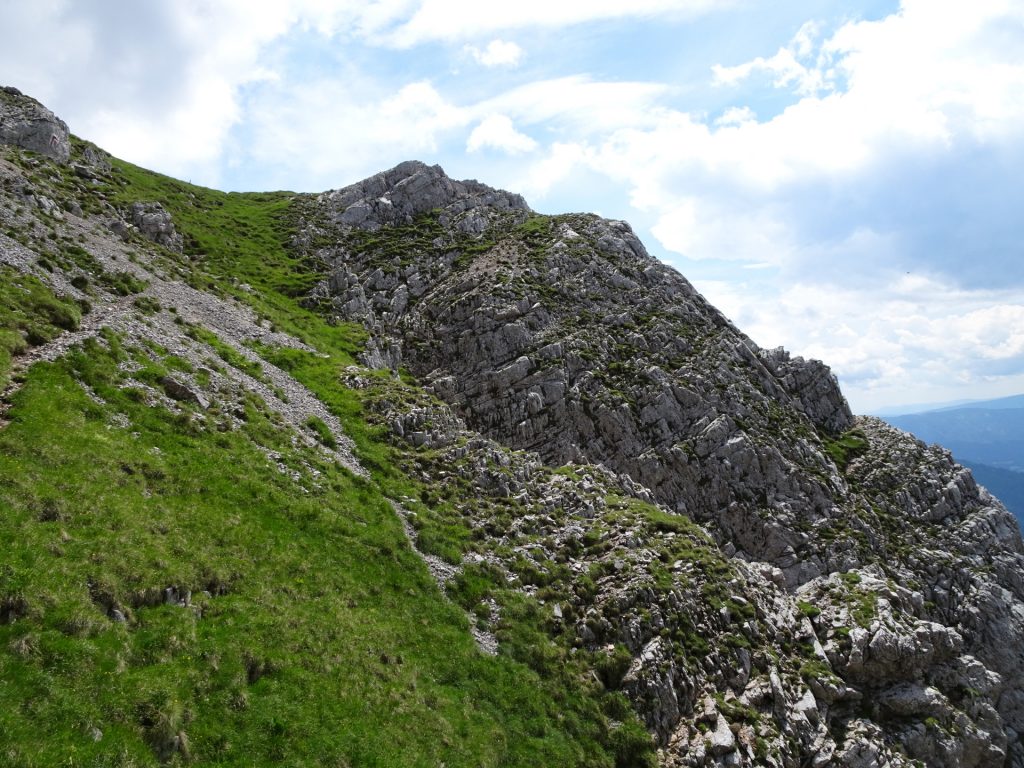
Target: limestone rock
x=675, y=499
x=721, y=739
x=155, y=223
x=561, y=340
x=813, y=387
x=411, y=189
x=184, y=392
x=27, y=124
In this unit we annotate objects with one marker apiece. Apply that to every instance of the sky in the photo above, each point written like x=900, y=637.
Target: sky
x=844, y=178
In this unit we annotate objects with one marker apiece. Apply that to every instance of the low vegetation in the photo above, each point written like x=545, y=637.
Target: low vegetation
x=846, y=447
x=171, y=594
x=30, y=315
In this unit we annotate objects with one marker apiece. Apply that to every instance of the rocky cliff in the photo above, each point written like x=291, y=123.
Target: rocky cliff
x=697, y=529
x=562, y=337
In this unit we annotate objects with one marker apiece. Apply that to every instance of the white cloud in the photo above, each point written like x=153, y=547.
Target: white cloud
x=561, y=160
x=156, y=81
x=581, y=105
x=497, y=132
x=331, y=133
x=856, y=195
x=107, y=70
x=938, y=68
x=702, y=229
x=498, y=53
x=926, y=96
x=897, y=155
x=461, y=19
x=316, y=124
x=736, y=116
x=785, y=65
x=918, y=335
x=913, y=85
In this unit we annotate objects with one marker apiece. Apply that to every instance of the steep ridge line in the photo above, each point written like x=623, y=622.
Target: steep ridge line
x=765, y=579
x=520, y=323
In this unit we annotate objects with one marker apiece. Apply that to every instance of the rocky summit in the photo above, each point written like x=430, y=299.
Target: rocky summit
x=406, y=473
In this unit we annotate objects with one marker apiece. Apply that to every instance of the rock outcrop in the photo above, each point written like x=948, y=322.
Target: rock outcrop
x=764, y=578
x=27, y=124
x=412, y=189
x=155, y=223
x=562, y=337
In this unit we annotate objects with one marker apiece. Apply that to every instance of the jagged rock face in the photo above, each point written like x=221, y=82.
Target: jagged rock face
x=27, y=124
x=813, y=388
x=562, y=336
x=959, y=552
x=710, y=666
x=866, y=607
x=411, y=189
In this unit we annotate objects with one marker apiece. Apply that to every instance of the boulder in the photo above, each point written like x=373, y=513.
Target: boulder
x=182, y=392
x=27, y=124
x=155, y=223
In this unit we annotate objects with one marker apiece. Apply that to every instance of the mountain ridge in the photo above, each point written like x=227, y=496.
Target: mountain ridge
x=988, y=435
x=661, y=526
x=984, y=436
x=1008, y=486
x=1010, y=401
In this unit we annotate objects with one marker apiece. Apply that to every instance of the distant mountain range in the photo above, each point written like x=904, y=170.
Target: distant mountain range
x=986, y=435
x=1001, y=403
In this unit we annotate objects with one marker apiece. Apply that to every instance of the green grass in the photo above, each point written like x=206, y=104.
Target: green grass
x=535, y=229
x=30, y=315
x=123, y=283
x=315, y=635
x=846, y=447
x=864, y=607
x=320, y=640
x=809, y=610
x=73, y=257
x=323, y=433
x=235, y=244
x=850, y=578
x=816, y=669
x=383, y=247
x=225, y=352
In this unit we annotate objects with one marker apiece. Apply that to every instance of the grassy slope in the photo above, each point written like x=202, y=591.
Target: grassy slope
x=323, y=641
x=29, y=315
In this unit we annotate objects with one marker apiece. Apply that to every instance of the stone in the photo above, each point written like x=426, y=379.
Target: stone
x=120, y=228
x=27, y=124
x=721, y=740
x=668, y=483
x=155, y=223
x=659, y=389
x=411, y=189
x=812, y=386
x=808, y=708
x=184, y=392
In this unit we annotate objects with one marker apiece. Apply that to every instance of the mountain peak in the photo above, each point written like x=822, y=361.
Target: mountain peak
x=410, y=189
